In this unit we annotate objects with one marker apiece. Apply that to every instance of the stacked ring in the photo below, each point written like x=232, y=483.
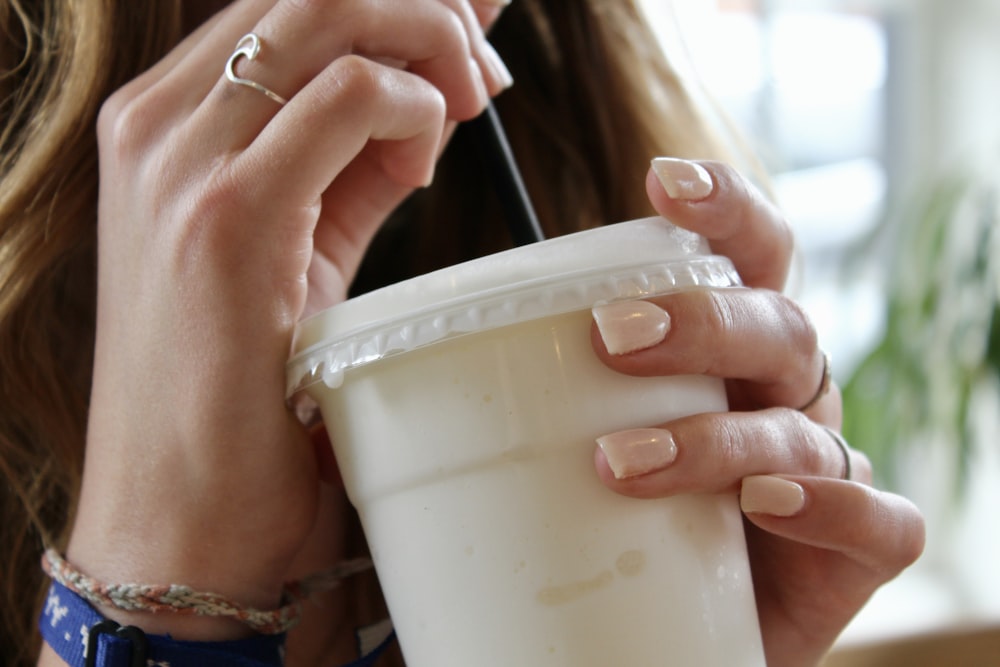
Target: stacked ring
x=845, y=449
x=824, y=384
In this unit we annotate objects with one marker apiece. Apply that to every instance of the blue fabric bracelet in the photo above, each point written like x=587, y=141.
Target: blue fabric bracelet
x=70, y=626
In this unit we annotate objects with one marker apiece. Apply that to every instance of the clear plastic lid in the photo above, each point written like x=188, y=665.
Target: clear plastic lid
x=628, y=260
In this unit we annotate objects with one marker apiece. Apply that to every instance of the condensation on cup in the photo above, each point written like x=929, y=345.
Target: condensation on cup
x=463, y=406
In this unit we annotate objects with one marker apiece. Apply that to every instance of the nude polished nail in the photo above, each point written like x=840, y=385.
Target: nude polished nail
x=683, y=179
x=767, y=494
x=497, y=67
x=638, y=451
x=629, y=326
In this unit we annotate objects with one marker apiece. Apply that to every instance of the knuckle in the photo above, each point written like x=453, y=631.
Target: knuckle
x=721, y=315
x=801, y=333
x=364, y=87
x=444, y=27
x=799, y=322
x=117, y=121
x=452, y=31
x=714, y=317
x=732, y=313
x=730, y=439
x=818, y=453
x=357, y=78
x=126, y=121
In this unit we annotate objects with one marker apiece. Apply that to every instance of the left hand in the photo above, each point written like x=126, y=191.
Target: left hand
x=223, y=218
x=819, y=544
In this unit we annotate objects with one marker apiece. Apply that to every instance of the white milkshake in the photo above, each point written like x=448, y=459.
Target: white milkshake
x=463, y=407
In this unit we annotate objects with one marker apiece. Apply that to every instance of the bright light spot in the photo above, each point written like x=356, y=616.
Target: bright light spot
x=827, y=54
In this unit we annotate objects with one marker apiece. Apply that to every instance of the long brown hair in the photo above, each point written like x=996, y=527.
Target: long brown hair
x=594, y=100
x=58, y=60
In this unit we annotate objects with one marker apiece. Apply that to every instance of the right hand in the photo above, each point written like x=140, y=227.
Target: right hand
x=223, y=218
x=815, y=565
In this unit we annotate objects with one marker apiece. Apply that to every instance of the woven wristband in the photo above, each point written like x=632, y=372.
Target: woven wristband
x=171, y=598
x=70, y=625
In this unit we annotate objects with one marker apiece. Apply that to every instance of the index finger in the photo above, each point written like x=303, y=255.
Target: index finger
x=714, y=200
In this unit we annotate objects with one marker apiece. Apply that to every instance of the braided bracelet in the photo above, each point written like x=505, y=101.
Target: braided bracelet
x=179, y=599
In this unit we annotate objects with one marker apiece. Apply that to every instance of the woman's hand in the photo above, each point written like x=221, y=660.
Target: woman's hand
x=223, y=217
x=819, y=544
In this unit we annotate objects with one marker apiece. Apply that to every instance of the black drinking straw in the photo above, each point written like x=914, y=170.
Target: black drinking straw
x=506, y=177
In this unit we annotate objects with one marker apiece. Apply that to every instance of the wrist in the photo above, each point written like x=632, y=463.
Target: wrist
x=164, y=519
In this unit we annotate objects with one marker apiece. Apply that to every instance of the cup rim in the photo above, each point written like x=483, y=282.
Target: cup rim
x=326, y=361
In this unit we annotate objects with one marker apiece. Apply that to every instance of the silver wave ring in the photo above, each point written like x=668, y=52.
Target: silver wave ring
x=249, y=46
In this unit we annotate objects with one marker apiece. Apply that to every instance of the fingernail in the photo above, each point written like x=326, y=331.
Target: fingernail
x=477, y=77
x=683, y=179
x=498, y=67
x=494, y=3
x=767, y=494
x=629, y=326
x=636, y=452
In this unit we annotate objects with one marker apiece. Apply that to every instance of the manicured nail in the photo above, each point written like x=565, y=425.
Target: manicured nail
x=683, y=179
x=767, y=494
x=480, y=83
x=628, y=326
x=636, y=452
x=498, y=68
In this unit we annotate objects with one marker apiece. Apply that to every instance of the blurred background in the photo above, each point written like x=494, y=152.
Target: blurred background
x=880, y=121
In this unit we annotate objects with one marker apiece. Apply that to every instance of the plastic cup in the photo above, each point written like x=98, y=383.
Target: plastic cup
x=463, y=406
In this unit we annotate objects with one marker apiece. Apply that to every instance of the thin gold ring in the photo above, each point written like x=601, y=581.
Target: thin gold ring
x=824, y=384
x=249, y=46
